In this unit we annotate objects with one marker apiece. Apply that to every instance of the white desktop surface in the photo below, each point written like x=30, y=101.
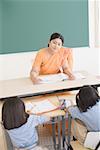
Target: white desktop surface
x=25, y=87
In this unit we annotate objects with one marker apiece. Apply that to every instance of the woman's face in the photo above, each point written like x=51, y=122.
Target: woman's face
x=55, y=45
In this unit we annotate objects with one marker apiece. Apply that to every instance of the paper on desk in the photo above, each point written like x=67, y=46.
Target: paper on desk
x=79, y=75
x=59, y=77
x=53, y=78
x=41, y=107
x=28, y=106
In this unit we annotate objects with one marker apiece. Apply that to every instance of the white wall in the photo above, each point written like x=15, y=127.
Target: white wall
x=19, y=65
x=16, y=65
x=94, y=23
x=87, y=59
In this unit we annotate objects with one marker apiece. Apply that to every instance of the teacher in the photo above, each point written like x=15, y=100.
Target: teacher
x=53, y=59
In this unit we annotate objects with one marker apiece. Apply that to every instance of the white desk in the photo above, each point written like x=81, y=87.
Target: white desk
x=24, y=87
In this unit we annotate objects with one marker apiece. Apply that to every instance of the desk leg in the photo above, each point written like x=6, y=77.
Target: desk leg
x=59, y=133
x=69, y=130
x=53, y=132
x=63, y=131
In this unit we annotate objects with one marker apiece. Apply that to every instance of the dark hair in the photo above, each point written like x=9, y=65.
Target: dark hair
x=55, y=36
x=87, y=97
x=13, y=113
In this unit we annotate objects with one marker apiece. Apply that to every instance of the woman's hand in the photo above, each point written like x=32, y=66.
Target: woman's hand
x=71, y=77
x=37, y=81
x=69, y=73
x=34, y=76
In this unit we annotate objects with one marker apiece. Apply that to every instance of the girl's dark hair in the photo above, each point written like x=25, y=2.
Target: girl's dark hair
x=13, y=113
x=87, y=97
x=55, y=36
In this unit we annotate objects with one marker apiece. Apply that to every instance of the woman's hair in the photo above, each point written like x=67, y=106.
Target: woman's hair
x=13, y=113
x=55, y=36
x=87, y=97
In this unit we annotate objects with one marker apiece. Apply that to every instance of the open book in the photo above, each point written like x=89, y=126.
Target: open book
x=59, y=77
x=41, y=107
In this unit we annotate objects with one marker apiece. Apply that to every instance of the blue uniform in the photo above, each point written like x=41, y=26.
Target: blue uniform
x=26, y=136
x=91, y=118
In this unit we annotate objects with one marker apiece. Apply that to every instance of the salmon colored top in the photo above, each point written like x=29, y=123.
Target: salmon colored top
x=50, y=64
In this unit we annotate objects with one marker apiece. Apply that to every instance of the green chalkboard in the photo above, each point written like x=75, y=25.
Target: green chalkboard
x=27, y=24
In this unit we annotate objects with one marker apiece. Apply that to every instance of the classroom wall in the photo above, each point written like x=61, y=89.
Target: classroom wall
x=19, y=64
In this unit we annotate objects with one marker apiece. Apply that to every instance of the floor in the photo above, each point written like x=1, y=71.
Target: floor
x=45, y=136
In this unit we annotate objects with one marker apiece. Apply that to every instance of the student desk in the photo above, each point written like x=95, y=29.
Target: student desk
x=24, y=87
x=56, y=115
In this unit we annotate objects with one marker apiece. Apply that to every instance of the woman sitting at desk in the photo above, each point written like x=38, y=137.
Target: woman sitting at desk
x=53, y=59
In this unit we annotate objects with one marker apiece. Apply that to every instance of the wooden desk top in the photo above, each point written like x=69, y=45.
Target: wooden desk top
x=24, y=87
x=53, y=99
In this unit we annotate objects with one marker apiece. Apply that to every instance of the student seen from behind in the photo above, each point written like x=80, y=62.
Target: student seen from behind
x=20, y=125
x=87, y=108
